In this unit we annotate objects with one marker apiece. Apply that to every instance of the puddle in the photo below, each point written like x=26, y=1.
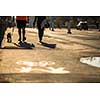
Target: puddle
x=93, y=61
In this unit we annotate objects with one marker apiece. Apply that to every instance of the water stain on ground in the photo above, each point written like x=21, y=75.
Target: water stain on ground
x=93, y=61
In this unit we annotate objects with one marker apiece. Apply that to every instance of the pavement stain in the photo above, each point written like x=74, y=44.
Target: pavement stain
x=93, y=61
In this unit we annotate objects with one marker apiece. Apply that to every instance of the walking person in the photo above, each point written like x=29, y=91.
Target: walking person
x=41, y=20
x=52, y=23
x=97, y=24
x=69, y=27
x=21, y=25
x=3, y=26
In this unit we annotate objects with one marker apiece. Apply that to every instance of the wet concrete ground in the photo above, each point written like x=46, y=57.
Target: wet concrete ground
x=56, y=60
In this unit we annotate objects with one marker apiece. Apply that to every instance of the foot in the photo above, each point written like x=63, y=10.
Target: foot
x=69, y=32
x=52, y=29
x=19, y=39
x=24, y=38
x=40, y=41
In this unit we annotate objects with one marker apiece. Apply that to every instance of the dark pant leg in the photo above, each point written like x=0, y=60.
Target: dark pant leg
x=21, y=25
x=1, y=36
x=19, y=32
x=40, y=33
x=23, y=31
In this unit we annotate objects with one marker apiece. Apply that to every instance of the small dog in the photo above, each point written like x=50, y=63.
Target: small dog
x=9, y=38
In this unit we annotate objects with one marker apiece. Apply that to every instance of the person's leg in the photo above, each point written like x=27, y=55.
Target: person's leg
x=69, y=30
x=24, y=38
x=52, y=26
x=1, y=36
x=41, y=32
x=19, y=29
x=19, y=32
x=23, y=29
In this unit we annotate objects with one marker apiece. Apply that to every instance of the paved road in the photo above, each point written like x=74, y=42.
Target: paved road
x=56, y=60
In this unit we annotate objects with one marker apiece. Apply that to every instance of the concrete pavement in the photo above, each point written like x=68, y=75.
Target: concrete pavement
x=57, y=60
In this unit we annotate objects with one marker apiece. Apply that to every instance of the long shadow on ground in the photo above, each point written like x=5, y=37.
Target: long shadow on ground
x=20, y=45
x=25, y=45
x=48, y=45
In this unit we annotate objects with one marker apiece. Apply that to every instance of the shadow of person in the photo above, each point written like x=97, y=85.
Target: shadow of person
x=25, y=45
x=48, y=45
